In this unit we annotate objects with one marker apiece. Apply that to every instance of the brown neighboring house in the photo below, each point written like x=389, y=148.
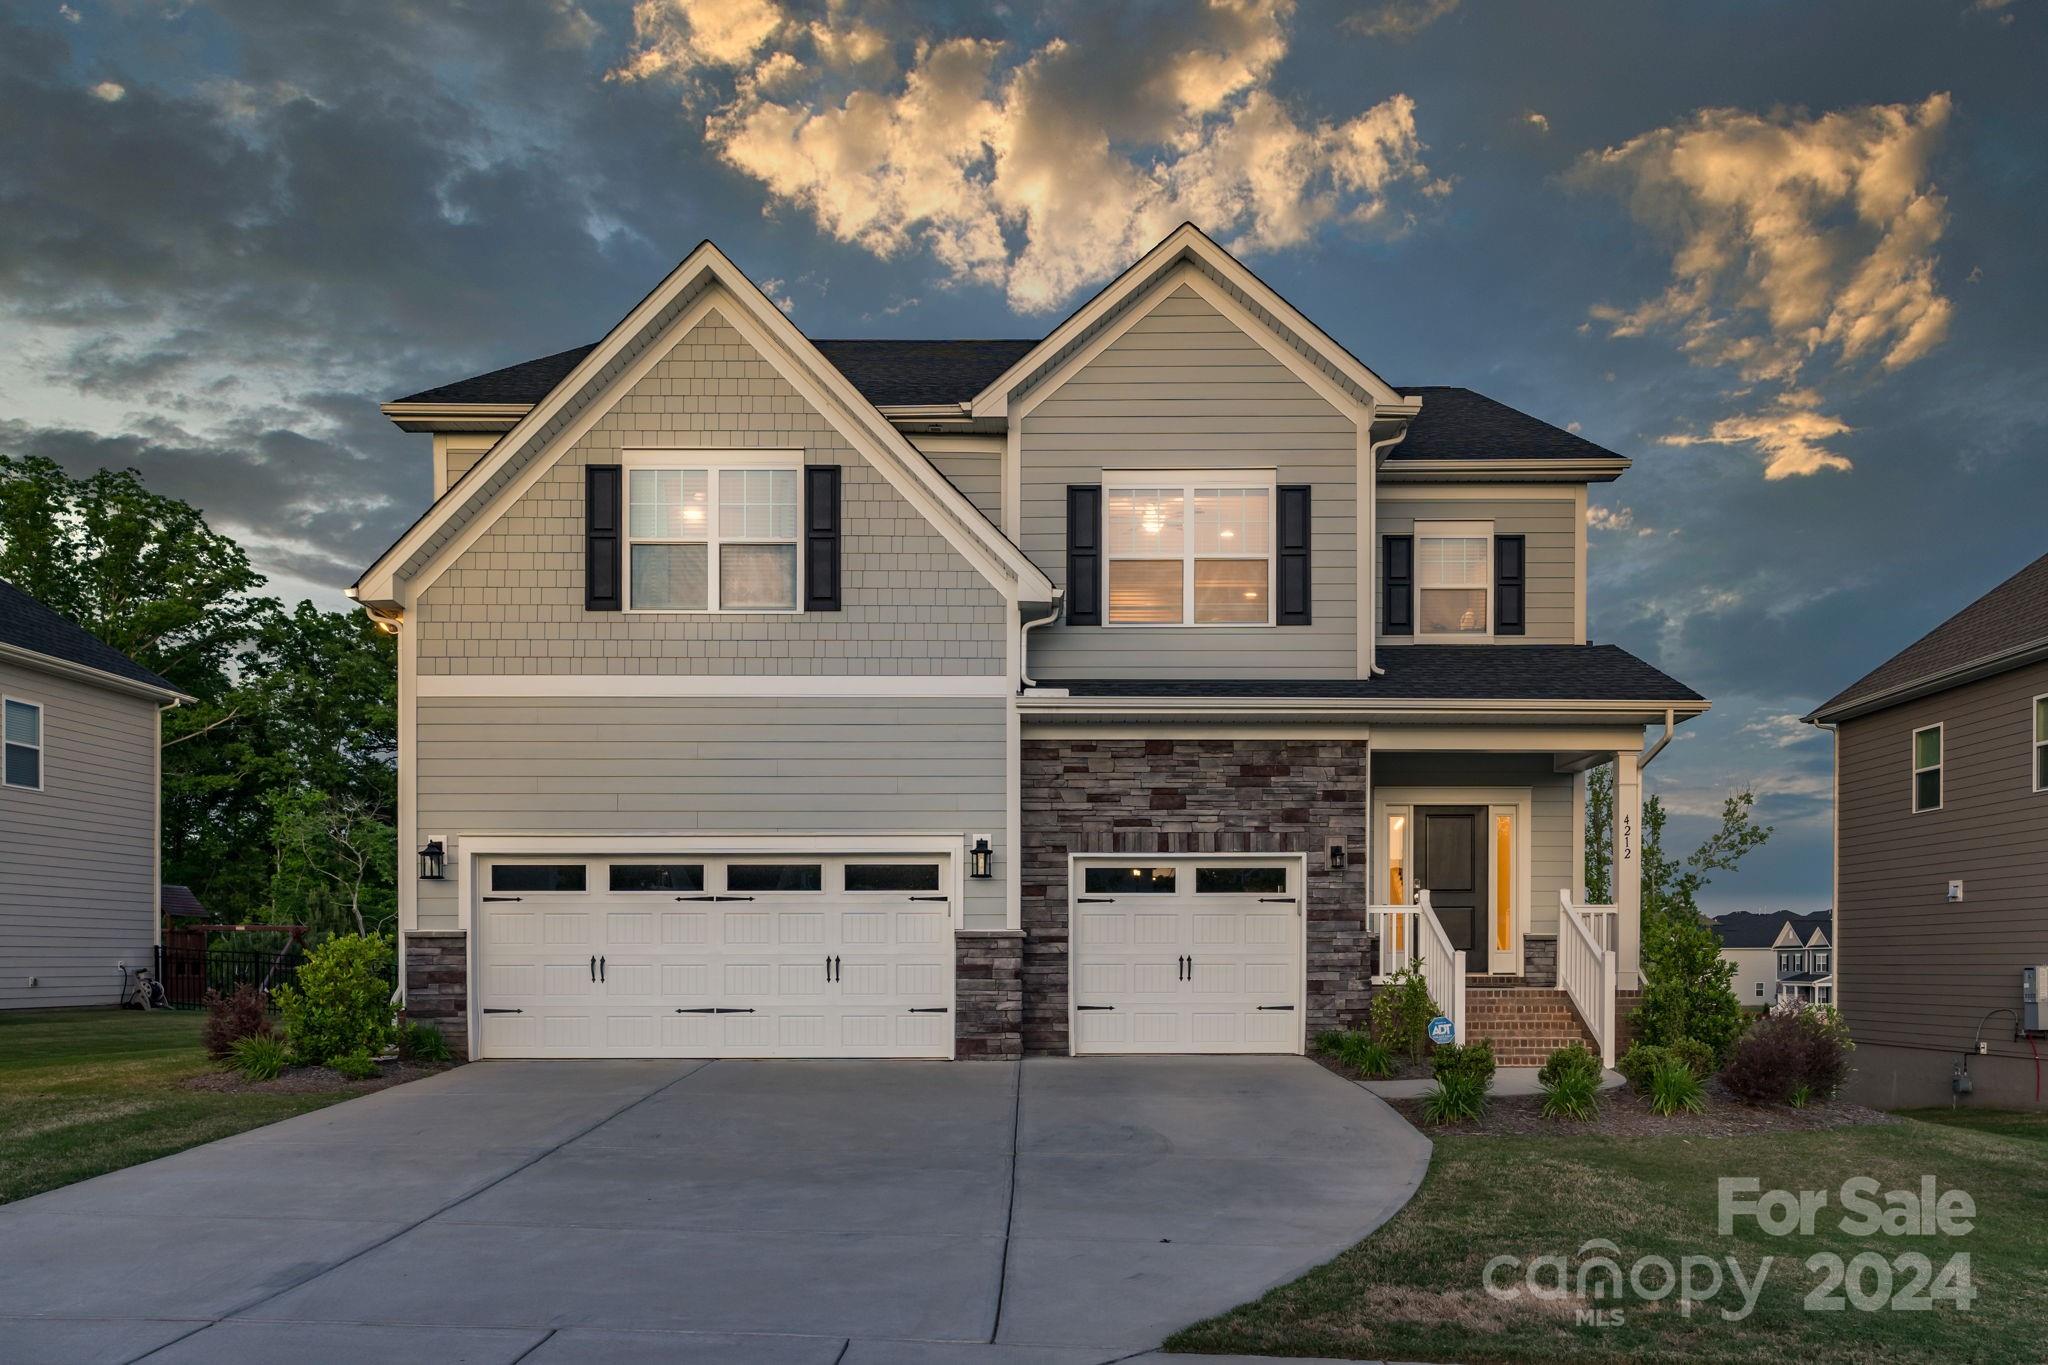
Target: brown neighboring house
x=1941, y=851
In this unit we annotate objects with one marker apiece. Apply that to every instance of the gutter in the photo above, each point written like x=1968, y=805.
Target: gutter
x=1058, y=701
x=1024, y=679
x=1643, y=760
x=1375, y=453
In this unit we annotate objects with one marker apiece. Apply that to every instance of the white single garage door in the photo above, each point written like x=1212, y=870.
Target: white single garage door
x=692, y=956
x=1188, y=955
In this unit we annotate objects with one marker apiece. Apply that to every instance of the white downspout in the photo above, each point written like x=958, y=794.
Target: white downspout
x=1372, y=544
x=1024, y=678
x=1670, y=724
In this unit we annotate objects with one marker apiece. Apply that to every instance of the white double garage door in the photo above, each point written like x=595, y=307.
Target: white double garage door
x=695, y=956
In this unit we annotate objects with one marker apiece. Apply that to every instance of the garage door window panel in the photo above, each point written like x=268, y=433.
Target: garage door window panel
x=775, y=877
x=657, y=877
x=539, y=877
x=1129, y=881
x=865, y=877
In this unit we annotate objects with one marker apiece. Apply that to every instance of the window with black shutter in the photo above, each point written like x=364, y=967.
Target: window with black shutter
x=603, y=507
x=1397, y=585
x=1084, y=554
x=821, y=537
x=1292, y=604
x=1510, y=574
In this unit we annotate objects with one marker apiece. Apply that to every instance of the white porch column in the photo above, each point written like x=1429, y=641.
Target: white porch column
x=1628, y=871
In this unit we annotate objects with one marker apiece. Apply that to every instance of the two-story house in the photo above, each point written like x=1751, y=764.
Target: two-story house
x=1777, y=955
x=1941, y=854
x=1145, y=687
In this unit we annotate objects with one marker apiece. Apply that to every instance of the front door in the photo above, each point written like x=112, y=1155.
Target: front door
x=1450, y=864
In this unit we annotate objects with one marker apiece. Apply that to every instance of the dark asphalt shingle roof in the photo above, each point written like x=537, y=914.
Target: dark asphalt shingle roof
x=1803, y=978
x=1440, y=673
x=2010, y=617
x=1760, y=929
x=179, y=901
x=1454, y=424
x=27, y=624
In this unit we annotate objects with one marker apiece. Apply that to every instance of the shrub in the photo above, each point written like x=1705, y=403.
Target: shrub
x=1401, y=1011
x=1328, y=1042
x=357, y=1066
x=260, y=1056
x=1794, y=1051
x=231, y=1018
x=1457, y=1097
x=1685, y=984
x=1367, y=1056
x=419, y=1042
x=1636, y=1064
x=341, y=1002
x=1474, y=1060
x=1693, y=1055
x=1571, y=1059
x=1674, y=1089
x=1571, y=1093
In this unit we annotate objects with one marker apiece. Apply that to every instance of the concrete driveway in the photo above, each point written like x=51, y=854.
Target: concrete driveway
x=551, y=1212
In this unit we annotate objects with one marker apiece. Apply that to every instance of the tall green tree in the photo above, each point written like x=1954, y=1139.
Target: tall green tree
x=295, y=718
x=1685, y=980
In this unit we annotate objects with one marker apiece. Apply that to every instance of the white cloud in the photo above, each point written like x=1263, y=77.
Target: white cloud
x=1610, y=518
x=1781, y=731
x=778, y=293
x=1041, y=172
x=110, y=91
x=1540, y=122
x=1789, y=434
x=1797, y=243
x=69, y=15
x=1400, y=18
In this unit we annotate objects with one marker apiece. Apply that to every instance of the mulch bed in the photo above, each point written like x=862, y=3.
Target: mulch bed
x=1404, y=1070
x=316, y=1080
x=1623, y=1113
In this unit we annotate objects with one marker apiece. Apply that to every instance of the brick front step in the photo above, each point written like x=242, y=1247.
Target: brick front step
x=1525, y=1024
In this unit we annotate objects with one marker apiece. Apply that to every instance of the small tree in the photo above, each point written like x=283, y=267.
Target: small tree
x=334, y=862
x=1685, y=980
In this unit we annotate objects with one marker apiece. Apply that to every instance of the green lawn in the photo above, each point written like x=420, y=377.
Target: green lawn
x=83, y=1092
x=1415, y=1289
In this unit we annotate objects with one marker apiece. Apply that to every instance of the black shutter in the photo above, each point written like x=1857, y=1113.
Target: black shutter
x=1509, y=585
x=1397, y=585
x=1292, y=608
x=603, y=516
x=821, y=537
x=1084, y=554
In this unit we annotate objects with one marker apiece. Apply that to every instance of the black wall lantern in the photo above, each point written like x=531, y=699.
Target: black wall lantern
x=981, y=859
x=431, y=860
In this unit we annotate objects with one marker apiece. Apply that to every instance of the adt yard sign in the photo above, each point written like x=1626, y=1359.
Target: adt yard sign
x=1440, y=1031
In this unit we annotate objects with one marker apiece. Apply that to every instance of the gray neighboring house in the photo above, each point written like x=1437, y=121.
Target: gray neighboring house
x=1778, y=955
x=1150, y=686
x=78, y=810
x=1941, y=850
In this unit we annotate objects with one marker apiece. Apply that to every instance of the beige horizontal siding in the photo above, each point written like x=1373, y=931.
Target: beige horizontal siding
x=1185, y=388
x=666, y=765
x=1913, y=970
x=77, y=859
x=1551, y=525
x=513, y=602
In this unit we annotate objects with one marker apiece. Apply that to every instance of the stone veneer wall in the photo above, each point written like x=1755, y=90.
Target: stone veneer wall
x=437, y=984
x=1195, y=796
x=1539, y=962
x=988, y=995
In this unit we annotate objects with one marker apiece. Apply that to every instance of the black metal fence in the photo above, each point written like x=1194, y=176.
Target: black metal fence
x=188, y=974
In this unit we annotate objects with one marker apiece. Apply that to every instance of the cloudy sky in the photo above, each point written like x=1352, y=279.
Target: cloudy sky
x=1786, y=257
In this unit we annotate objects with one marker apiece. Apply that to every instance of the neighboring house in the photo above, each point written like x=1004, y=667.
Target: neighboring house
x=1113, y=691
x=1941, y=849
x=1778, y=956
x=78, y=810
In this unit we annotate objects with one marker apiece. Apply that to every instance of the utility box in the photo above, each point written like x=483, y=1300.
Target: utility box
x=2034, y=999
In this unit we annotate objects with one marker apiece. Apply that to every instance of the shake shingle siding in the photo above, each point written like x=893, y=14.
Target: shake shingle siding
x=78, y=897
x=513, y=602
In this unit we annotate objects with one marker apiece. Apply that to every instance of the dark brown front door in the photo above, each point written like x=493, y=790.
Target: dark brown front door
x=1451, y=866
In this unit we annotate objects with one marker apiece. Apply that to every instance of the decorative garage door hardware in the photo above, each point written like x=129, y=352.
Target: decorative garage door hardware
x=1276, y=1007
x=597, y=969
x=714, y=1009
x=492, y=1011
x=1095, y=1007
x=831, y=969
x=714, y=898
x=1276, y=900
x=504, y=898
x=1094, y=900
x=931, y=898
x=932, y=1009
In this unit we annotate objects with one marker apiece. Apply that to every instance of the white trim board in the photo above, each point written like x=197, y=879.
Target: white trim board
x=991, y=685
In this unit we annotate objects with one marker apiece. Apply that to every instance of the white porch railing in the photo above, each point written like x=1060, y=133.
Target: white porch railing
x=1586, y=969
x=1411, y=933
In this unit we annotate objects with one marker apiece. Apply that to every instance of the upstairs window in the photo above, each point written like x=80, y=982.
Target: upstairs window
x=1820, y=961
x=2041, y=743
x=23, y=760
x=1788, y=963
x=711, y=537
x=1927, y=769
x=1453, y=579
x=1181, y=551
